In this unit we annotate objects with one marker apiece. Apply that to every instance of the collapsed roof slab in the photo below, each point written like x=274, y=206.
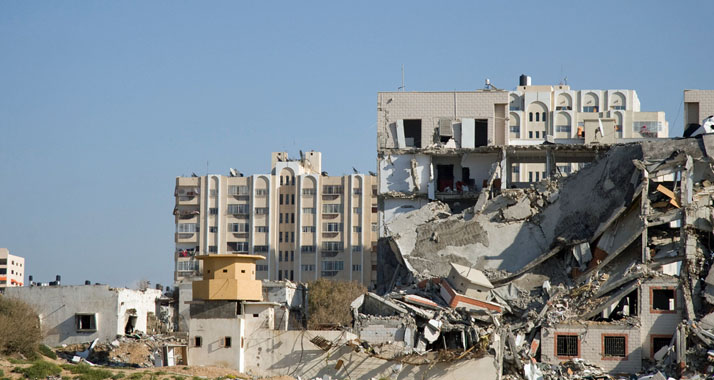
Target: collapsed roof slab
x=569, y=214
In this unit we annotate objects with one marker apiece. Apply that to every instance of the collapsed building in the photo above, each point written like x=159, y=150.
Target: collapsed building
x=609, y=265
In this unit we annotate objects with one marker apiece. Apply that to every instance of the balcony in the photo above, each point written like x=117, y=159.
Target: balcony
x=186, y=237
x=187, y=200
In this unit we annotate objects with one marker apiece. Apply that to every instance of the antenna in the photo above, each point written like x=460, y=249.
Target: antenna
x=403, y=87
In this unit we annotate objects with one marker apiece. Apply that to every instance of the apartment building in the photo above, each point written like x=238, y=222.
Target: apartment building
x=306, y=223
x=450, y=146
x=698, y=105
x=12, y=269
x=564, y=116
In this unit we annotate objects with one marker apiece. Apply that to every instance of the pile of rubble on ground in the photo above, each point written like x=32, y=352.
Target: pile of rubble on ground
x=604, y=272
x=135, y=350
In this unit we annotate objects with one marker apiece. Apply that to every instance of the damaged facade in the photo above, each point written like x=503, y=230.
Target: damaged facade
x=78, y=314
x=609, y=266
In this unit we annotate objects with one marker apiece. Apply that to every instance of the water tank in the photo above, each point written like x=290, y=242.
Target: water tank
x=523, y=80
x=87, y=282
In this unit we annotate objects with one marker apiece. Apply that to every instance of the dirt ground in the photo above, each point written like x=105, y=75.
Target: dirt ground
x=159, y=373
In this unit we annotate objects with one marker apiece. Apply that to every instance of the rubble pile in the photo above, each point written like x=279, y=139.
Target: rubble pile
x=137, y=350
x=606, y=272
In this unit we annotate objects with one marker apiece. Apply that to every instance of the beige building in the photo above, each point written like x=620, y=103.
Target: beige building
x=307, y=224
x=449, y=146
x=12, y=269
x=698, y=105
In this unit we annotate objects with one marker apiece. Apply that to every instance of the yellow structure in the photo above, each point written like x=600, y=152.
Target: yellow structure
x=228, y=277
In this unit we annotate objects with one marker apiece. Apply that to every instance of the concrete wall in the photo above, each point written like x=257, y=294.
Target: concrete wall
x=698, y=104
x=185, y=294
x=213, y=333
x=273, y=353
x=396, y=174
x=591, y=346
x=657, y=323
x=58, y=305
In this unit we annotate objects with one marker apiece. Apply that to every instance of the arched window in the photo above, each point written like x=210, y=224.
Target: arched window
x=537, y=116
x=530, y=116
x=544, y=116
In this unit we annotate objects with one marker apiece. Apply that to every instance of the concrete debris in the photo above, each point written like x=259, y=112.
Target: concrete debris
x=137, y=350
x=605, y=271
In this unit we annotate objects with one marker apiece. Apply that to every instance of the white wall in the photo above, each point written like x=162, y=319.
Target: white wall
x=395, y=173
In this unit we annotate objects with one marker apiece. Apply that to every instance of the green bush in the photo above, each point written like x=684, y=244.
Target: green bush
x=118, y=375
x=44, y=350
x=87, y=372
x=136, y=376
x=19, y=328
x=329, y=302
x=40, y=370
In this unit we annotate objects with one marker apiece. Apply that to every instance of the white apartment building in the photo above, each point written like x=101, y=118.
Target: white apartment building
x=449, y=146
x=12, y=269
x=307, y=224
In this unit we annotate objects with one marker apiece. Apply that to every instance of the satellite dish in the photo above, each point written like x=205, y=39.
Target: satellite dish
x=355, y=170
x=234, y=173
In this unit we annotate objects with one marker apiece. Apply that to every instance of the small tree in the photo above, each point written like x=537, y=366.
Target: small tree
x=329, y=302
x=19, y=328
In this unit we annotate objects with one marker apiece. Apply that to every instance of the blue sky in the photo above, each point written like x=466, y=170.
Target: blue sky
x=103, y=104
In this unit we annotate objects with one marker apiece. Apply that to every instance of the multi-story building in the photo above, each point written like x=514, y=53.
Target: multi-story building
x=449, y=146
x=12, y=269
x=307, y=224
x=698, y=105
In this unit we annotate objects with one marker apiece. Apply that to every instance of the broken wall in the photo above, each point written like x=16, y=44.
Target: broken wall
x=405, y=173
x=213, y=350
x=590, y=341
x=58, y=306
x=658, y=323
x=275, y=353
x=138, y=304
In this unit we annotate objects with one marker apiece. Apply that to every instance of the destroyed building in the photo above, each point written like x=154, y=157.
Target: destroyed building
x=78, y=314
x=306, y=223
x=609, y=266
x=452, y=146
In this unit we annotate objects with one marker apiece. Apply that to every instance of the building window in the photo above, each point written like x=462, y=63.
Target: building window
x=260, y=248
x=356, y=248
x=617, y=108
x=308, y=191
x=412, y=133
x=280, y=237
x=308, y=267
x=614, y=346
x=544, y=118
x=331, y=208
x=331, y=227
x=307, y=248
x=332, y=246
x=308, y=210
x=357, y=210
x=357, y=229
x=185, y=228
x=589, y=109
x=332, y=189
x=292, y=255
x=659, y=341
x=261, y=192
x=261, y=267
x=567, y=345
x=197, y=341
x=227, y=342
x=238, y=227
x=238, y=190
x=537, y=116
x=663, y=300
x=292, y=218
x=261, y=211
x=213, y=229
x=261, y=228
x=308, y=229
x=530, y=134
x=537, y=134
x=357, y=191
x=281, y=198
x=85, y=322
x=213, y=211
x=356, y=267
x=280, y=254
x=562, y=129
x=280, y=217
x=530, y=116
x=212, y=249
x=330, y=268
x=515, y=129
x=292, y=199
x=241, y=209
x=239, y=246
x=292, y=236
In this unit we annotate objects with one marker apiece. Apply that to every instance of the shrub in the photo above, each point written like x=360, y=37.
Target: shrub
x=329, y=302
x=118, y=375
x=19, y=328
x=44, y=350
x=87, y=372
x=41, y=369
